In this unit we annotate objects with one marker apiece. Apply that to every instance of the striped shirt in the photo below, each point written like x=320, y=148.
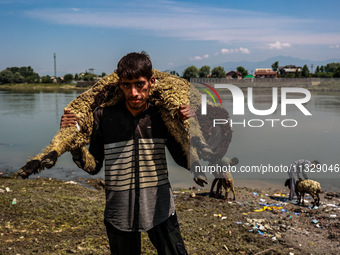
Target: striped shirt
x=138, y=192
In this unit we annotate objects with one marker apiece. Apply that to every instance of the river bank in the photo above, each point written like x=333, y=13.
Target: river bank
x=49, y=216
x=41, y=86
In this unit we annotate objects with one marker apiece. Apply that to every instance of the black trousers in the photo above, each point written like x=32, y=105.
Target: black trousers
x=166, y=238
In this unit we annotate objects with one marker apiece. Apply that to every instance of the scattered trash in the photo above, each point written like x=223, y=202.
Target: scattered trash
x=192, y=195
x=225, y=247
x=331, y=205
x=2, y=191
x=239, y=223
x=14, y=201
x=255, y=194
x=268, y=208
x=315, y=221
x=262, y=200
x=7, y=189
x=333, y=215
x=71, y=182
x=224, y=218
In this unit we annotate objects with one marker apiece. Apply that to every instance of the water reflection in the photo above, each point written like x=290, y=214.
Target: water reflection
x=30, y=119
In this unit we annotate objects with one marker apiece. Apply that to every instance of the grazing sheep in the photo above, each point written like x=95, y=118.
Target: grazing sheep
x=228, y=184
x=308, y=186
x=169, y=93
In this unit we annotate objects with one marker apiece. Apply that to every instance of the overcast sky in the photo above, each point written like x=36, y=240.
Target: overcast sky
x=96, y=34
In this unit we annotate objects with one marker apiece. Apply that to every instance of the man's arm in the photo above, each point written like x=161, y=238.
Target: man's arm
x=90, y=162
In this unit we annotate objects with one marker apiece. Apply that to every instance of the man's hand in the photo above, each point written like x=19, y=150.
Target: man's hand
x=184, y=112
x=68, y=119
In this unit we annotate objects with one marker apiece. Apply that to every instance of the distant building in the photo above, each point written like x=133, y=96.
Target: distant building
x=234, y=75
x=265, y=73
x=289, y=69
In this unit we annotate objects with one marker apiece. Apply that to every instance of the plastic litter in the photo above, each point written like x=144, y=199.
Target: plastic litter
x=70, y=182
x=333, y=215
x=14, y=201
x=7, y=189
x=315, y=221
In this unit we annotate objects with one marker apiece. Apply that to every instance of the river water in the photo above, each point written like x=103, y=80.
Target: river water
x=29, y=120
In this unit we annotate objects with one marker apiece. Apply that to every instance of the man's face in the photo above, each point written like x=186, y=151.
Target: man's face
x=136, y=92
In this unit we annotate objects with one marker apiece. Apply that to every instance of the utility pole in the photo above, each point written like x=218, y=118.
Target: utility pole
x=55, y=66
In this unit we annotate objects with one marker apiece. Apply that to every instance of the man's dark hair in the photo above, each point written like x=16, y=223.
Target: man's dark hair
x=316, y=162
x=135, y=65
x=234, y=161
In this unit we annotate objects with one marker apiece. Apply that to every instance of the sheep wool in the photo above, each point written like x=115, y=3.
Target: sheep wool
x=309, y=186
x=169, y=93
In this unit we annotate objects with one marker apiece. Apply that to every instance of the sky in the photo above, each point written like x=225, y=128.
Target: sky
x=96, y=34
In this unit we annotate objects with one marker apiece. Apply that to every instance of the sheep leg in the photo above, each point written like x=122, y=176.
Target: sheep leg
x=232, y=188
x=219, y=187
x=318, y=201
x=226, y=191
x=303, y=198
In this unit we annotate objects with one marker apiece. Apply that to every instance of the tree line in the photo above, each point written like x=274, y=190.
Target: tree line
x=206, y=72
x=26, y=74
x=331, y=70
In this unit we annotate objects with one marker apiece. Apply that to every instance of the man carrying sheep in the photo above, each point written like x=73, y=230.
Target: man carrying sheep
x=299, y=166
x=131, y=137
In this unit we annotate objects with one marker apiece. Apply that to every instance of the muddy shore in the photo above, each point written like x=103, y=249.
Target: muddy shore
x=49, y=216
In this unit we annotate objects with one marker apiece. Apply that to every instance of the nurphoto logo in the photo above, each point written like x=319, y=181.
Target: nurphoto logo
x=239, y=105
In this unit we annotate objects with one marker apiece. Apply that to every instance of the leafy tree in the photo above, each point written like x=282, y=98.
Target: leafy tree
x=336, y=73
x=242, y=70
x=218, y=72
x=331, y=67
x=190, y=72
x=89, y=77
x=275, y=66
x=68, y=77
x=204, y=71
x=23, y=74
x=317, y=70
x=34, y=78
x=76, y=77
x=322, y=69
x=103, y=74
x=46, y=79
x=18, y=78
x=6, y=76
x=305, y=71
